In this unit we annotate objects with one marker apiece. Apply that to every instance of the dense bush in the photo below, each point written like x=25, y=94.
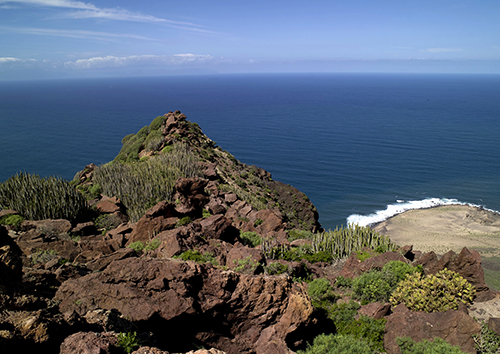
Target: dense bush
x=320, y=290
x=141, y=185
x=337, y=344
x=437, y=346
x=12, y=220
x=140, y=246
x=439, y=292
x=276, y=268
x=250, y=238
x=377, y=285
x=344, y=241
x=197, y=256
x=39, y=198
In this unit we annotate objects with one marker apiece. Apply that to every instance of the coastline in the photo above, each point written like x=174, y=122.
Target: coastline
x=445, y=227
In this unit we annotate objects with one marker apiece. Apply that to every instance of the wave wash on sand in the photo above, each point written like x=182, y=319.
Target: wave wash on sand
x=401, y=207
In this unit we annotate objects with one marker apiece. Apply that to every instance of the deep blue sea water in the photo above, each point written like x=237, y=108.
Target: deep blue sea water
x=354, y=143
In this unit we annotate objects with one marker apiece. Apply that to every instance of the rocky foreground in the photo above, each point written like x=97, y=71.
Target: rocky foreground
x=69, y=287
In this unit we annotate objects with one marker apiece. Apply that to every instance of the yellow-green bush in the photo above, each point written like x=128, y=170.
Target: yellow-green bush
x=432, y=293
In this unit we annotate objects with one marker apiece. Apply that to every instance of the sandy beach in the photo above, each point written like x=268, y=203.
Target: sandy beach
x=445, y=228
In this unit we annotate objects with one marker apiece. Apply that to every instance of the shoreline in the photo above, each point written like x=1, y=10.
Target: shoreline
x=445, y=227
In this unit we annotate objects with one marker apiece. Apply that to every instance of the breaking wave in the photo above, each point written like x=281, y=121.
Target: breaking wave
x=401, y=207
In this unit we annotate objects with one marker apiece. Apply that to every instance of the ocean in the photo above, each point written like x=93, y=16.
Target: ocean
x=361, y=146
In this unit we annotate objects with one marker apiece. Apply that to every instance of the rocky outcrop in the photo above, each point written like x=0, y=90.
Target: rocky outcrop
x=234, y=312
x=454, y=326
x=467, y=263
x=355, y=267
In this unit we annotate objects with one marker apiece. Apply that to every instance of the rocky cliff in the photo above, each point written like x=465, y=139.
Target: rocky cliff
x=217, y=256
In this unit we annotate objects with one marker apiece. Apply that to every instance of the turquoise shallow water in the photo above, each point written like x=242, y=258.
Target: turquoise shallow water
x=354, y=143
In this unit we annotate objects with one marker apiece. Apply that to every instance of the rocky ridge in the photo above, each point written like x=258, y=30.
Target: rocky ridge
x=74, y=288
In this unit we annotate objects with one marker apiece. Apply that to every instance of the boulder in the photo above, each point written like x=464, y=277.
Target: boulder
x=160, y=217
x=374, y=310
x=11, y=264
x=219, y=228
x=190, y=195
x=90, y=343
x=454, y=326
x=237, y=313
x=355, y=267
x=467, y=263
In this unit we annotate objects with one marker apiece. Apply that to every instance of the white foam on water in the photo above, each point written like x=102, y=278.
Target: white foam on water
x=401, y=207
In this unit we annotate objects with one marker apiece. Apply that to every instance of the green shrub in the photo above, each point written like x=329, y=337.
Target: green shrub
x=437, y=346
x=371, y=286
x=186, y=220
x=139, y=246
x=206, y=214
x=43, y=256
x=320, y=290
x=439, y=292
x=250, y=238
x=276, y=268
x=197, y=256
x=293, y=254
x=337, y=344
x=377, y=285
x=299, y=234
x=343, y=282
x=157, y=123
x=367, y=329
x=141, y=185
x=258, y=222
x=488, y=342
x=247, y=265
x=12, y=220
x=153, y=141
x=342, y=242
x=107, y=222
x=38, y=198
x=128, y=341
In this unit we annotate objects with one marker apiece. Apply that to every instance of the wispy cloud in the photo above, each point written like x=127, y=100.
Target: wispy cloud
x=113, y=61
x=88, y=10
x=442, y=50
x=80, y=34
x=10, y=60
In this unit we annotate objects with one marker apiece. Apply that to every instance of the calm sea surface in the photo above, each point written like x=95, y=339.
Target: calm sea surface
x=354, y=143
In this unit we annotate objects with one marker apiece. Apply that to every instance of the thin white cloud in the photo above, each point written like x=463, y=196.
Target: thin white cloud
x=9, y=60
x=162, y=60
x=88, y=10
x=442, y=50
x=81, y=34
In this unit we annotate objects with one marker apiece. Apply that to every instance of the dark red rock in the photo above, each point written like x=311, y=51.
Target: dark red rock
x=355, y=267
x=467, y=263
x=11, y=265
x=220, y=228
x=454, y=326
x=236, y=313
x=90, y=343
x=375, y=310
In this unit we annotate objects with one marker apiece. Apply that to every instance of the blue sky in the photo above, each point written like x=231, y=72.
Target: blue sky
x=67, y=38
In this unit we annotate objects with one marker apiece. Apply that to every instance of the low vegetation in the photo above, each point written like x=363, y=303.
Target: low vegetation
x=431, y=293
x=438, y=345
x=143, y=184
x=343, y=241
x=37, y=198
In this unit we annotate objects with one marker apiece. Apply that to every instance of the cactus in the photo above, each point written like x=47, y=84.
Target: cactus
x=343, y=241
x=38, y=198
